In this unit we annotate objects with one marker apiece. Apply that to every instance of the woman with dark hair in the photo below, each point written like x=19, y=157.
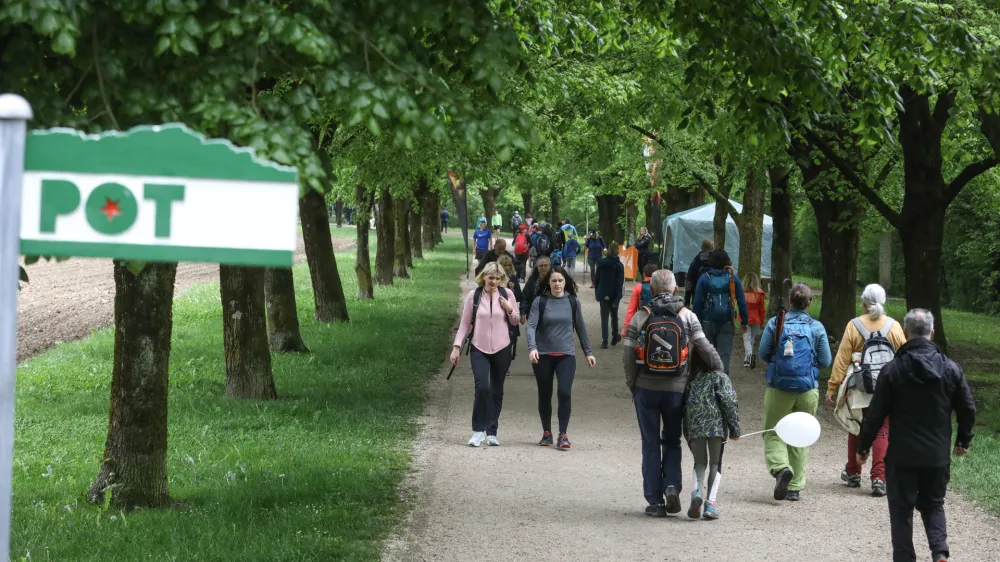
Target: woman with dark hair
x=553, y=318
x=718, y=296
x=538, y=279
x=642, y=244
x=795, y=351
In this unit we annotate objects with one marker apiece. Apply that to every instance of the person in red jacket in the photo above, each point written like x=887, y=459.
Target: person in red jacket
x=757, y=308
x=635, y=301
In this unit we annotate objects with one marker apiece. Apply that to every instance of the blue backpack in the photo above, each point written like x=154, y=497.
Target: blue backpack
x=718, y=306
x=556, y=257
x=646, y=295
x=795, y=358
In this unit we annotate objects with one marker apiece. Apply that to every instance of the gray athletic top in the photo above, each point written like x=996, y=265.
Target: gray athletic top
x=555, y=335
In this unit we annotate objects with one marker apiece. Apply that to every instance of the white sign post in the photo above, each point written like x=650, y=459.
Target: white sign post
x=14, y=115
x=159, y=193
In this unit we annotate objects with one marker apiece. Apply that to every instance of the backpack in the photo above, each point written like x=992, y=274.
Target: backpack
x=664, y=343
x=521, y=244
x=516, y=222
x=646, y=295
x=543, y=244
x=543, y=299
x=718, y=303
x=556, y=257
x=795, y=358
x=467, y=344
x=875, y=353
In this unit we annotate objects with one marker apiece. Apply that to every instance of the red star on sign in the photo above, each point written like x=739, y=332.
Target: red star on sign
x=111, y=209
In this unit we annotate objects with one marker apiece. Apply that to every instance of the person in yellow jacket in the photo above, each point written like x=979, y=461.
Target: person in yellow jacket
x=873, y=300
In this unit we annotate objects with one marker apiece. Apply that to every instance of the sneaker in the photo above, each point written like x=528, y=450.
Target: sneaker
x=746, y=363
x=878, y=488
x=673, y=503
x=753, y=361
x=604, y=345
x=477, y=438
x=854, y=481
x=546, y=440
x=940, y=557
x=793, y=496
x=694, y=511
x=656, y=510
x=563, y=442
x=615, y=339
x=781, y=480
x=844, y=475
x=492, y=441
x=711, y=511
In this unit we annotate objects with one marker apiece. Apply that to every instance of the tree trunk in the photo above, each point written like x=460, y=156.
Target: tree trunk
x=244, y=330
x=653, y=217
x=338, y=211
x=609, y=209
x=678, y=199
x=430, y=213
x=436, y=204
x=385, y=229
x=282, y=315
x=135, y=452
x=416, y=229
x=489, y=196
x=839, y=239
x=752, y=223
x=719, y=223
x=631, y=216
x=401, y=254
x=782, y=217
x=922, y=233
x=526, y=199
x=328, y=291
x=554, y=206
x=885, y=260
x=363, y=266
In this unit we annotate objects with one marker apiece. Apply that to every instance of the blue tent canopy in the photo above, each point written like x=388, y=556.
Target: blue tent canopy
x=683, y=233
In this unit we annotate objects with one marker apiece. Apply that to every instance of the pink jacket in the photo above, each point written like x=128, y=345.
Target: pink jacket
x=491, y=334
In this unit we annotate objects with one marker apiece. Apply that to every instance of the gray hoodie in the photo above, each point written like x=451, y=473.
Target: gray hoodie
x=637, y=377
x=555, y=335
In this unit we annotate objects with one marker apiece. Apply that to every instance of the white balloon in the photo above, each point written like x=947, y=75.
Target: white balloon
x=798, y=429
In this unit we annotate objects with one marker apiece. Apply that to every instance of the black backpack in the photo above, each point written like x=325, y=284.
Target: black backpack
x=665, y=343
x=467, y=344
x=543, y=245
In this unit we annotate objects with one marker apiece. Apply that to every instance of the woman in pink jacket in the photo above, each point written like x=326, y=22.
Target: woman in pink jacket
x=490, y=349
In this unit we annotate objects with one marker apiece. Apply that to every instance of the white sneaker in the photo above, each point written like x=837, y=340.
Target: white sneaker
x=492, y=441
x=477, y=438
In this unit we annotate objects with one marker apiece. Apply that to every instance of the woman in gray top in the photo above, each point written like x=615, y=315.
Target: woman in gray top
x=554, y=316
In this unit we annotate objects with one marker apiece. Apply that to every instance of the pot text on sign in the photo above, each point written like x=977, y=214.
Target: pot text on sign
x=111, y=208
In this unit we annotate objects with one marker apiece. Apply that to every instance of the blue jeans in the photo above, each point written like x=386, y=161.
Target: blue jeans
x=660, y=468
x=720, y=335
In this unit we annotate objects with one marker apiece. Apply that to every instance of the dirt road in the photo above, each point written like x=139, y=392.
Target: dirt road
x=524, y=502
x=65, y=301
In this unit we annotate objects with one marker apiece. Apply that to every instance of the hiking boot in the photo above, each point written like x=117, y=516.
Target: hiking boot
x=477, y=438
x=793, y=496
x=878, y=488
x=940, y=557
x=492, y=441
x=694, y=511
x=854, y=481
x=844, y=475
x=656, y=510
x=604, y=345
x=563, y=442
x=615, y=339
x=711, y=511
x=781, y=480
x=546, y=440
x=753, y=361
x=673, y=503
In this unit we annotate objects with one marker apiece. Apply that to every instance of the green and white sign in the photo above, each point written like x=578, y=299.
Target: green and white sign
x=156, y=193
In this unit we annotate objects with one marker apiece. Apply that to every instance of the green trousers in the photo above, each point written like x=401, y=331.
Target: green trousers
x=777, y=455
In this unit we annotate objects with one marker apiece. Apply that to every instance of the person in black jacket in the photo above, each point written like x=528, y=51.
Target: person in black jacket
x=917, y=391
x=642, y=247
x=608, y=283
x=699, y=265
x=538, y=280
x=499, y=249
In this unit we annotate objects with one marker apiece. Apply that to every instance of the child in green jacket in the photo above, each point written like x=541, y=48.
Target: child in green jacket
x=711, y=414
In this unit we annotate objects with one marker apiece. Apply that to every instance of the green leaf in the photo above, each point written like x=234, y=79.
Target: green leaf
x=135, y=267
x=64, y=43
x=374, y=127
x=162, y=45
x=380, y=111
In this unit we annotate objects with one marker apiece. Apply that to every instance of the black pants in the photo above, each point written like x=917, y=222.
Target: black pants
x=609, y=308
x=520, y=261
x=922, y=487
x=562, y=368
x=444, y=225
x=593, y=271
x=489, y=372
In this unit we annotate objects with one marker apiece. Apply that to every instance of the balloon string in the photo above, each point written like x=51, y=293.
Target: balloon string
x=755, y=433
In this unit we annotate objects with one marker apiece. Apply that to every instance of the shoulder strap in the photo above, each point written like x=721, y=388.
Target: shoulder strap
x=542, y=299
x=476, y=298
x=573, y=303
x=503, y=292
x=887, y=326
x=865, y=334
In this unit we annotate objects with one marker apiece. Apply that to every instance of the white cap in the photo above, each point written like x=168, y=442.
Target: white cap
x=14, y=108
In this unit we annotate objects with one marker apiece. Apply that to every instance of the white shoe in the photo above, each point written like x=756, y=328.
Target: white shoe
x=492, y=441
x=477, y=438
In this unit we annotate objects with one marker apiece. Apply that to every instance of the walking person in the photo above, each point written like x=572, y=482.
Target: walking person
x=918, y=391
x=795, y=352
x=657, y=375
x=514, y=287
x=699, y=265
x=554, y=316
x=641, y=295
x=516, y=222
x=488, y=313
x=610, y=279
x=499, y=249
x=642, y=244
x=757, y=311
x=481, y=237
x=877, y=337
x=522, y=250
x=718, y=297
x=497, y=222
x=537, y=281
x=570, y=250
x=711, y=416
x=595, y=247
x=444, y=219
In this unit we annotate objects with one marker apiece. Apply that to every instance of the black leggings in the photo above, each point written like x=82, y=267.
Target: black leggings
x=563, y=369
x=489, y=372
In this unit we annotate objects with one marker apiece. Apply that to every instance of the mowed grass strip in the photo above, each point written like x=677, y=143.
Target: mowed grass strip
x=311, y=476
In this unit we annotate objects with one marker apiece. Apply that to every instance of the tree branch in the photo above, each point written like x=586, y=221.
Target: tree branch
x=852, y=176
x=945, y=101
x=718, y=196
x=100, y=80
x=886, y=170
x=971, y=172
x=649, y=134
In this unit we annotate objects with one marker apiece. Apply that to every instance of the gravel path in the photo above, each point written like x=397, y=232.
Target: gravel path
x=524, y=502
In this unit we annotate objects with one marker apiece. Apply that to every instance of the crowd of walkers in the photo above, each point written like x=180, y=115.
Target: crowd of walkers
x=677, y=361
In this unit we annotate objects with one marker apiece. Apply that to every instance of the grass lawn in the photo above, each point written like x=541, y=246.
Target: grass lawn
x=311, y=476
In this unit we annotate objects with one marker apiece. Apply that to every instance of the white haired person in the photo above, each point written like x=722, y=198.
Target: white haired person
x=881, y=336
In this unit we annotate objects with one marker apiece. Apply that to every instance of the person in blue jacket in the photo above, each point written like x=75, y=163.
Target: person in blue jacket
x=482, y=237
x=595, y=251
x=713, y=303
x=795, y=352
x=570, y=250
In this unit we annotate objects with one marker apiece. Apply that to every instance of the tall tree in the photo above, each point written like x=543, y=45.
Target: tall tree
x=283, y=332
x=248, y=359
x=364, y=200
x=328, y=290
x=782, y=217
x=385, y=231
x=402, y=257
